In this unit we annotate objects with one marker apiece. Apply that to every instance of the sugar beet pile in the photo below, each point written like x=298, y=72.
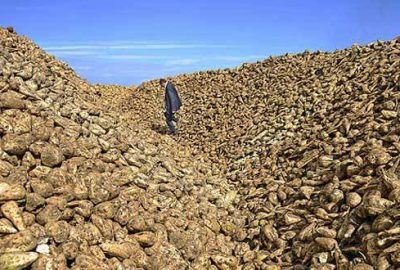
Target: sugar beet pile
x=289, y=163
x=79, y=190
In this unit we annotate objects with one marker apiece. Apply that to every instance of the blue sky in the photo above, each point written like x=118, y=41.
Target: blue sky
x=127, y=42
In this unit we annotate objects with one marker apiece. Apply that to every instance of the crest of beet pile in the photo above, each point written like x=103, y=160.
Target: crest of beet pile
x=289, y=163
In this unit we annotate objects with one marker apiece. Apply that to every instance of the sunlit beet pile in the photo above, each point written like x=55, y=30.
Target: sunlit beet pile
x=288, y=163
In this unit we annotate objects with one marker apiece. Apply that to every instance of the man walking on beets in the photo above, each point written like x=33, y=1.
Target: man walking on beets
x=172, y=104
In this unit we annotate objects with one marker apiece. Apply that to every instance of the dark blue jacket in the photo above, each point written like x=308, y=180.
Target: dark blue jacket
x=172, y=101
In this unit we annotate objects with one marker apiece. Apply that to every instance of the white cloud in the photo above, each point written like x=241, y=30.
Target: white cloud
x=70, y=47
x=133, y=57
x=135, y=45
x=239, y=58
x=73, y=52
x=165, y=46
x=183, y=62
x=127, y=50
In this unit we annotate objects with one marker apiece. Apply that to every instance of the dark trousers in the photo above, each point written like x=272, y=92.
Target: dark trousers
x=169, y=119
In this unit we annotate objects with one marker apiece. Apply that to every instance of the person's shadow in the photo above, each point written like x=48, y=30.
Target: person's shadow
x=159, y=129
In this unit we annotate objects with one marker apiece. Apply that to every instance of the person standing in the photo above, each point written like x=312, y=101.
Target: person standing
x=172, y=104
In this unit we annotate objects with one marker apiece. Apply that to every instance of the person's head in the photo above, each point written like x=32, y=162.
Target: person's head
x=163, y=82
